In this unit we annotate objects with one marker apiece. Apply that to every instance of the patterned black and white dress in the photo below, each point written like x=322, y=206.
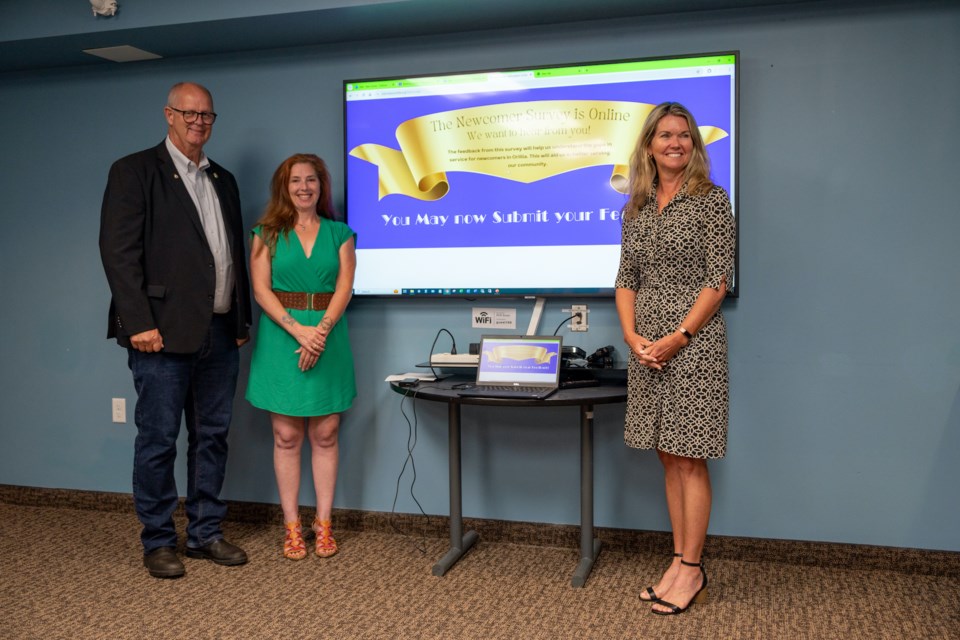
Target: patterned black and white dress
x=668, y=258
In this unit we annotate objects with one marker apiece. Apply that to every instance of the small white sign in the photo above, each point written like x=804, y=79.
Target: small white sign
x=490, y=318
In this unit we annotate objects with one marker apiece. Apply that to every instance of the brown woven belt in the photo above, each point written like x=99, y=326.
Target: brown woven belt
x=302, y=300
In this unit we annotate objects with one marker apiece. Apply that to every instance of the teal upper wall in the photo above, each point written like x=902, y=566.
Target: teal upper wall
x=54, y=33
x=845, y=371
x=55, y=18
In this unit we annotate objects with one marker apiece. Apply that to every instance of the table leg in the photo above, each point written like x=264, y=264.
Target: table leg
x=460, y=543
x=589, y=547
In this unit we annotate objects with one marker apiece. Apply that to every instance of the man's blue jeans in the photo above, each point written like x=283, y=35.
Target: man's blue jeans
x=199, y=386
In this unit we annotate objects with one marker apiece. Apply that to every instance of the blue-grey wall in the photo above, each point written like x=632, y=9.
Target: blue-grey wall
x=845, y=359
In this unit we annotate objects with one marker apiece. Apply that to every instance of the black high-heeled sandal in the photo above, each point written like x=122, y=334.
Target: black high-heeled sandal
x=699, y=597
x=649, y=590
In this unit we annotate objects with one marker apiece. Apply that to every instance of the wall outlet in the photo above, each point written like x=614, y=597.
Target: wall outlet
x=579, y=321
x=119, y=409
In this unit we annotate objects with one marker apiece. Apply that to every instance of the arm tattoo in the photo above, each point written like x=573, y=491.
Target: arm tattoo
x=326, y=324
x=285, y=319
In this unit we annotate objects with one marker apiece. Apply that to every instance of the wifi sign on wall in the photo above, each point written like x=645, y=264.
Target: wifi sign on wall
x=492, y=318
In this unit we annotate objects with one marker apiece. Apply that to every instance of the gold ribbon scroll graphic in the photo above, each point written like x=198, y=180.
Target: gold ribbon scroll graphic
x=520, y=141
x=519, y=352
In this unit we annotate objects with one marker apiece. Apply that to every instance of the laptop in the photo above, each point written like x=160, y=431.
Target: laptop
x=520, y=367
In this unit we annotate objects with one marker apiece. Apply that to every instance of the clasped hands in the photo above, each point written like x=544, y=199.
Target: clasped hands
x=313, y=341
x=655, y=355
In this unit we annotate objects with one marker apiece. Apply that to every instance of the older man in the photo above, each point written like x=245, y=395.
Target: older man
x=172, y=245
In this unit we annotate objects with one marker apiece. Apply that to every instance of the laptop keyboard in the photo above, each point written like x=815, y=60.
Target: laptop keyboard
x=507, y=391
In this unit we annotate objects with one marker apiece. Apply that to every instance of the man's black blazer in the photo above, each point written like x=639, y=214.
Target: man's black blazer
x=158, y=263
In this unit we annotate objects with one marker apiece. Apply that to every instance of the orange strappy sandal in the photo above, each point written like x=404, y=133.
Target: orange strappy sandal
x=294, y=548
x=326, y=545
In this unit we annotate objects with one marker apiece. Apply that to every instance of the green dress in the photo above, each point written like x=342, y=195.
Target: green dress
x=276, y=382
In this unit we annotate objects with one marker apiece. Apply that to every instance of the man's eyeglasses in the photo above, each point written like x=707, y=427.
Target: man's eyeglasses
x=206, y=117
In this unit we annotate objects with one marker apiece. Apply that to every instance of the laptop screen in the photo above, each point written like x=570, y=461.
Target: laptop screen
x=526, y=360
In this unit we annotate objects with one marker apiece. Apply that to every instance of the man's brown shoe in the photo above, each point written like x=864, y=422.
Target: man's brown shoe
x=221, y=552
x=164, y=563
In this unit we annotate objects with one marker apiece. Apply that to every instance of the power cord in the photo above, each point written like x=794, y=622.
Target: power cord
x=411, y=445
x=578, y=314
x=453, y=349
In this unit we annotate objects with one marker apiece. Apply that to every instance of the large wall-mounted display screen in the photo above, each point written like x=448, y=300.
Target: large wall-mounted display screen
x=511, y=182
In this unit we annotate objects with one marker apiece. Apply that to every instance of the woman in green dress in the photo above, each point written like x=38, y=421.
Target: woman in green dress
x=302, y=265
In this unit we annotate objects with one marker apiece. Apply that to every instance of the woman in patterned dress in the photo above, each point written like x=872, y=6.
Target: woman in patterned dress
x=676, y=262
x=302, y=266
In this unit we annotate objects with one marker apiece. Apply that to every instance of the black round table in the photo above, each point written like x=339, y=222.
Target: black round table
x=608, y=392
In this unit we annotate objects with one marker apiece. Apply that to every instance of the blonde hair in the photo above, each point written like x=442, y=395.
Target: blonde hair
x=281, y=215
x=643, y=167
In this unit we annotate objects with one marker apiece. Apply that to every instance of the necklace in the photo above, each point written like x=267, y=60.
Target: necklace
x=303, y=225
